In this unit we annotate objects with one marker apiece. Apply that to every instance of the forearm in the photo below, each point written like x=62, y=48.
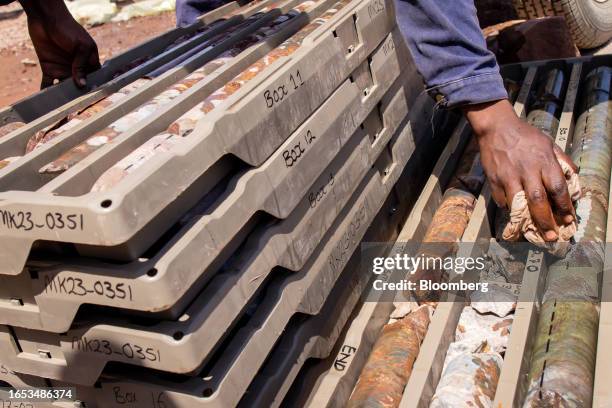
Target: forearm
x=48, y=10
x=450, y=52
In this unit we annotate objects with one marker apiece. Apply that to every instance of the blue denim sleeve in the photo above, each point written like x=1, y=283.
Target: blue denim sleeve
x=449, y=51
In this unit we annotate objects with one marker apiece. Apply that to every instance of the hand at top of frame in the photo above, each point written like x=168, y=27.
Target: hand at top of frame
x=63, y=46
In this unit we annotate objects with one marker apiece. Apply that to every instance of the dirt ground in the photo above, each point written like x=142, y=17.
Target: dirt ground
x=19, y=71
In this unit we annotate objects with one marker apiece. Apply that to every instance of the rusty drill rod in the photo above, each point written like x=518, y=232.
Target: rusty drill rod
x=563, y=359
x=386, y=373
x=452, y=217
x=548, y=103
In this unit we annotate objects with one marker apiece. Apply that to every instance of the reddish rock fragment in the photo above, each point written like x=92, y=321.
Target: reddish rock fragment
x=385, y=374
x=10, y=127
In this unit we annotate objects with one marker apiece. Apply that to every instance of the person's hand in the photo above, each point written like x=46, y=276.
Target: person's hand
x=517, y=156
x=63, y=46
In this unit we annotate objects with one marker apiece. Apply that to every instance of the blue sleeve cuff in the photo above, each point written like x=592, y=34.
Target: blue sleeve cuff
x=481, y=88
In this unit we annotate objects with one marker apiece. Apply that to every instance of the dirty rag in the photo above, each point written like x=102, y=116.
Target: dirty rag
x=521, y=224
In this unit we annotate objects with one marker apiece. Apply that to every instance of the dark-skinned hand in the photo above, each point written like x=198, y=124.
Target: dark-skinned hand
x=516, y=156
x=63, y=46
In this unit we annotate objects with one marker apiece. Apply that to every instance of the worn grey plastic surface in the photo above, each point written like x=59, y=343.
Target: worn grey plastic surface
x=330, y=383
x=106, y=219
x=376, y=130
x=48, y=106
x=224, y=382
x=315, y=337
x=209, y=317
x=318, y=337
x=19, y=286
x=302, y=292
x=341, y=250
x=47, y=303
x=115, y=392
